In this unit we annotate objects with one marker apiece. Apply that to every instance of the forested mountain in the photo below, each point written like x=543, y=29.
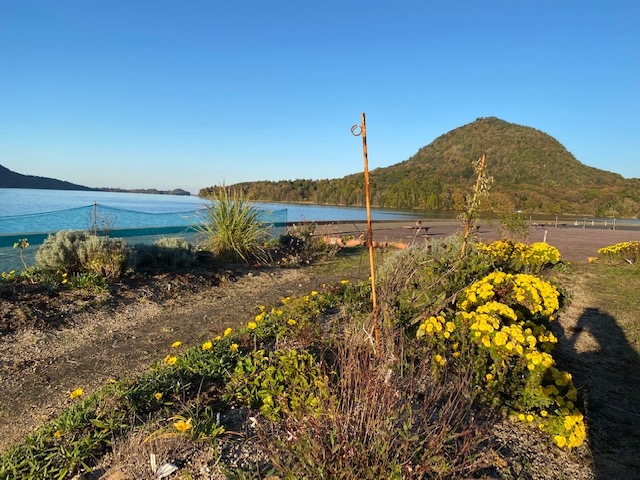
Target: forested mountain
x=532, y=172
x=10, y=179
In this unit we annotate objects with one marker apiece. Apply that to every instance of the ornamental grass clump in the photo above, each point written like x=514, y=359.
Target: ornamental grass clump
x=232, y=228
x=621, y=252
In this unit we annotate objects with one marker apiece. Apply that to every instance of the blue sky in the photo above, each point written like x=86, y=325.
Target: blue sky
x=167, y=94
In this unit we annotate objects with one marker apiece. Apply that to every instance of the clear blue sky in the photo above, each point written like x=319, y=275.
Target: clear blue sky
x=192, y=93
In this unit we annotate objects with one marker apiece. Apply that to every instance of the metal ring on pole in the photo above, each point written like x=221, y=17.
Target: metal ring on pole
x=353, y=130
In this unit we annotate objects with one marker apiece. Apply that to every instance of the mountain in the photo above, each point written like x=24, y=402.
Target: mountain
x=9, y=179
x=532, y=172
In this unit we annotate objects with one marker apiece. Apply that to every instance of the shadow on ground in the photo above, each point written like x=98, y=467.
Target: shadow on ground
x=606, y=372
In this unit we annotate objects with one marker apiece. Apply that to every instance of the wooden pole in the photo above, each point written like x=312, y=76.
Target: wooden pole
x=363, y=132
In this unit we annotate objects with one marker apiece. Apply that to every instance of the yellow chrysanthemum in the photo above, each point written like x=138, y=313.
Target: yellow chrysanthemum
x=207, y=345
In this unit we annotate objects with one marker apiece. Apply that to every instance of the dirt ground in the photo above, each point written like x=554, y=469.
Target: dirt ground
x=574, y=243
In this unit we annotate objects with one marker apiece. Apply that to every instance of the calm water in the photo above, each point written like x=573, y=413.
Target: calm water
x=15, y=203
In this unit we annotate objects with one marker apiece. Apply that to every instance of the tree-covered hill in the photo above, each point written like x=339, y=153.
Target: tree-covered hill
x=532, y=172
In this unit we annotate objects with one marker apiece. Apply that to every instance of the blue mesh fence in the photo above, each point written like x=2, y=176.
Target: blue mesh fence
x=134, y=226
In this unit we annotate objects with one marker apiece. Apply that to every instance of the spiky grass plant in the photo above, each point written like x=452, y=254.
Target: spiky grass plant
x=232, y=228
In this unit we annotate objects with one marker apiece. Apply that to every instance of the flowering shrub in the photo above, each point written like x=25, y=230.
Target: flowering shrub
x=519, y=256
x=627, y=251
x=503, y=319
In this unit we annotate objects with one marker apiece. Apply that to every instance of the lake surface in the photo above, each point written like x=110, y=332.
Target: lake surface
x=29, y=210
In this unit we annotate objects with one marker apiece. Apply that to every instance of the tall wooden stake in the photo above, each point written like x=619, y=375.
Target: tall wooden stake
x=363, y=131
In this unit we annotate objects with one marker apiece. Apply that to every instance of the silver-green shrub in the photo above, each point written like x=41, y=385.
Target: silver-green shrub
x=165, y=252
x=75, y=251
x=104, y=256
x=60, y=251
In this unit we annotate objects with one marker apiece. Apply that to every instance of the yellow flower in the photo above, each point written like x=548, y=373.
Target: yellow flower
x=439, y=359
x=57, y=434
x=291, y=321
x=207, y=345
x=489, y=377
x=486, y=341
x=456, y=354
x=158, y=395
x=76, y=393
x=218, y=338
x=252, y=325
x=169, y=360
x=529, y=418
x=228, y=331
x=176, y=344
x=234, y=347
x=544, y=413
x=313, y=293
x=183, y=426
x=522, y=417
x=560, y=440
x=344, y=282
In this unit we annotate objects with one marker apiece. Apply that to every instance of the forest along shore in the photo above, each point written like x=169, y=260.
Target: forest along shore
x=576, y=244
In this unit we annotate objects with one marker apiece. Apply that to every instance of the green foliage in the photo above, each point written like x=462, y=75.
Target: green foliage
x=424, y=278
x=278, y=384
x=87, y=281
x=232, y=228
x=171, y=253
x=300, y=246
x=513, y=227
x=22, y=244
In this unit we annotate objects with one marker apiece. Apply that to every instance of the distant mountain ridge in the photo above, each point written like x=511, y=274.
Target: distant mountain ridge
x=533, y=172
x=10, y=179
